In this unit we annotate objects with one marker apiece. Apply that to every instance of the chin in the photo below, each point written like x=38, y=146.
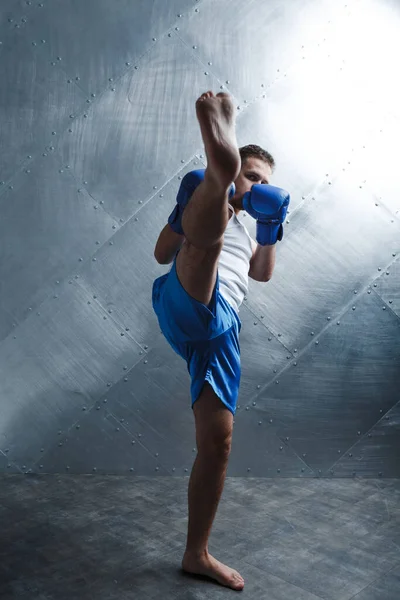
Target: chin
x=237, y=205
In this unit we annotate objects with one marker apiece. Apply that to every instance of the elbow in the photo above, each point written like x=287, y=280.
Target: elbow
x=159, y=260
x=162, y=260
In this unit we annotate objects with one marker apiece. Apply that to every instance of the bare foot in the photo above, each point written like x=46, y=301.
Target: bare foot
x=216, y=115
x=211, y=567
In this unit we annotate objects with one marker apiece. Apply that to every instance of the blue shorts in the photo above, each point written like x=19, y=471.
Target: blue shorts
x=206, y=337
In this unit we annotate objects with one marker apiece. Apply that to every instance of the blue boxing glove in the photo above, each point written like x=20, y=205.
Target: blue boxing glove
x=189, y=183
x=268, y=204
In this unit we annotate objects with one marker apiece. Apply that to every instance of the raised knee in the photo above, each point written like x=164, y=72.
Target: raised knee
x=203, y=247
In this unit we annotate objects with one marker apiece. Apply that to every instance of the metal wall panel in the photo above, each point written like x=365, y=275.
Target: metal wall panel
x=388, y=288
x=148, y=130
x=36, y=103
x=336, y=239
x=97, y=41
x=338, y=386
x=44, y=210
x=248, y=45
x=92, y=153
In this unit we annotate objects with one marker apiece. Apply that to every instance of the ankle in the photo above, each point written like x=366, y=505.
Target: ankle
x=196, y=554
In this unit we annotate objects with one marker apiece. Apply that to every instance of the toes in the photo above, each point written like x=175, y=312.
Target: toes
x=206, y=95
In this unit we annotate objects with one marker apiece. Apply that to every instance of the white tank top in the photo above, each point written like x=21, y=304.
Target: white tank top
x=234, y=262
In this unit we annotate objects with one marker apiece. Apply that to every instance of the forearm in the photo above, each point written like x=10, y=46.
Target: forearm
x=167, y=245
x=263, y=262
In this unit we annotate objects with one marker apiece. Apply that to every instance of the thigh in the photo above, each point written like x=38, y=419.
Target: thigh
x=197, y=270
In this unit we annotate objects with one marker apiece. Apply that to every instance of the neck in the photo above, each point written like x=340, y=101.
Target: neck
x=232, y=210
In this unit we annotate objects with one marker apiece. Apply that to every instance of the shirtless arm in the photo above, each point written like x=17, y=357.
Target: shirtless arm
x=262, y=262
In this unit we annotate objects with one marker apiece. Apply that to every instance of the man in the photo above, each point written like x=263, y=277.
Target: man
x=197, y=302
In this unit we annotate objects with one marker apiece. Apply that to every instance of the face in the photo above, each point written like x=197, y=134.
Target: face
x=254, y=170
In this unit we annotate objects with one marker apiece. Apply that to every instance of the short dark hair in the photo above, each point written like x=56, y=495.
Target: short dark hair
x=258, y=152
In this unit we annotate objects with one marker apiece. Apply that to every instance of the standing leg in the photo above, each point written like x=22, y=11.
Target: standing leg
x=214, y=425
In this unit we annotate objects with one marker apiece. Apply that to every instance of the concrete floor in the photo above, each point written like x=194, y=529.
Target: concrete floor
x=107, y=537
